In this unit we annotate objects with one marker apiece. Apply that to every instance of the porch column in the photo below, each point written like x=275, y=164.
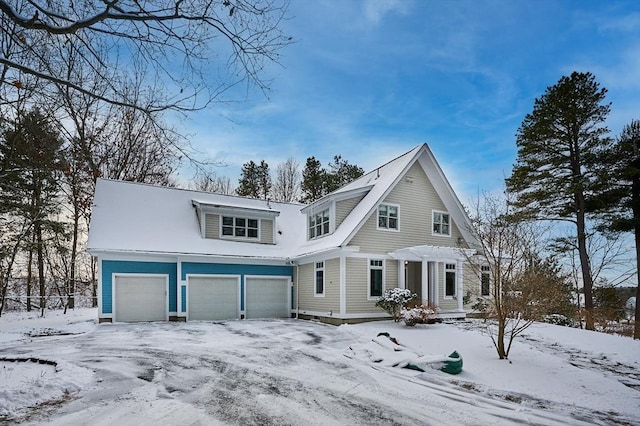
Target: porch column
x=402, y=283
x=425, y=280
x=460, y=284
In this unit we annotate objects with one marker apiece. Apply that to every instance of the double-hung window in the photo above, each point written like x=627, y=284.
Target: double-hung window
x=441, y=224
x=388, y=217
x=239, y=227
x=485, y=279
x=376, y=274
x=319, y=224
x=450, y=280
x=319, y=284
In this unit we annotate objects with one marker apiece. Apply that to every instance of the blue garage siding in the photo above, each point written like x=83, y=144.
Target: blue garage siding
x=110, y=267
x=231, y=269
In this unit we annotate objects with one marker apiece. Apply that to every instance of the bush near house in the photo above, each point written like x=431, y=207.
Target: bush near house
x=419, y=314
x=394, y=300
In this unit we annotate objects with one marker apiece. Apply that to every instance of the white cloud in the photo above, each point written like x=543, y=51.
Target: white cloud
x=376, y=10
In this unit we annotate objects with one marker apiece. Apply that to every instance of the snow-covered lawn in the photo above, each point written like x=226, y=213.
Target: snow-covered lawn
x=295, y=372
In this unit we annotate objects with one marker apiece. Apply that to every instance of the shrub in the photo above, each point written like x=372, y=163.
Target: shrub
x=420, y=314
x=558, y=319
x=394, y=300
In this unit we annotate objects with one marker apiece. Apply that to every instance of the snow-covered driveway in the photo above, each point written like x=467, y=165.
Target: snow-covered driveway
x=250, y=372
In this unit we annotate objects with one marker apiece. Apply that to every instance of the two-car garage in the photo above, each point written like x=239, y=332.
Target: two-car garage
x=219, y=297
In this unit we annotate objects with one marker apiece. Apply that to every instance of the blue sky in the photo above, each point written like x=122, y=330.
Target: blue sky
x=369, y=80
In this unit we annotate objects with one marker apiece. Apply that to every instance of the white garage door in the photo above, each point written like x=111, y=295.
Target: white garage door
x=213, y=298
x=141, y=298
x=267, y=298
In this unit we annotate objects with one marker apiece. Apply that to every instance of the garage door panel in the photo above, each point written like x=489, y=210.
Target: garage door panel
x=213, y=298
x=140, y=298
x=267, y=298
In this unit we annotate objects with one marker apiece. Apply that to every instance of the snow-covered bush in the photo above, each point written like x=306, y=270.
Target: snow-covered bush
x=558, y=319
x=394, y=300
x=420, y=314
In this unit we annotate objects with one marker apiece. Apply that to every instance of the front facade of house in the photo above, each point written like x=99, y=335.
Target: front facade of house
x=170, y=254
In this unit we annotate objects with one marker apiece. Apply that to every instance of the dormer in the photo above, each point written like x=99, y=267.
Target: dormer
x=236, y=223
x=327, y=213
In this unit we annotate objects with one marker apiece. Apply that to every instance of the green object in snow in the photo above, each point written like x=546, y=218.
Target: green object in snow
x=453, y=365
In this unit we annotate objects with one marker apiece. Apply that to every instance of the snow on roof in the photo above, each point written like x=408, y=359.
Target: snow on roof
x=378, y=183
x=133, y=217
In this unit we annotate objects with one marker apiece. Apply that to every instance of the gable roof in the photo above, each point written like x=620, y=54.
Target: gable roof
x=133, y=217
x=377, y=184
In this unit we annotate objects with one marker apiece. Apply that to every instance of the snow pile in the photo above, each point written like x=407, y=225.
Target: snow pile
x=388, y=352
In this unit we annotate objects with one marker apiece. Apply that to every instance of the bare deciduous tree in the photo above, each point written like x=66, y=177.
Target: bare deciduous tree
x=286, y=187
x=515, y=290
x=208, y=181
x=198, y=49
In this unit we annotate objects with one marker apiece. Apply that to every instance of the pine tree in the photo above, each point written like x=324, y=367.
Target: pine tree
x=341, y=173
x=32, y=161
x=264, y=180
x=619, y=204
x=249, y=183
x=558, y=147
x=313, y=181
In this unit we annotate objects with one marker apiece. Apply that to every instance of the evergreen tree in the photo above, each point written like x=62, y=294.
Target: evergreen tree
x=619, y=205
x=264, y=180
x=255, y=181
x=32, y=162
x=249, y=183
x=558, y=146
x=313, y=181
x=341, y=173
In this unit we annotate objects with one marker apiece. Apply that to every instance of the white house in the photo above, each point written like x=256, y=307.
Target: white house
x=174, y=254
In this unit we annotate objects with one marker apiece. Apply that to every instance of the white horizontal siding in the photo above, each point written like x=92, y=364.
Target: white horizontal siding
x=417, y=199
x=266, y=231
x=331, y=300
x=212, y=226
x=344, y=207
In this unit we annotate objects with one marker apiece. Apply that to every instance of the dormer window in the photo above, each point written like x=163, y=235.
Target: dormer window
x=319, y=224
x=239, y=227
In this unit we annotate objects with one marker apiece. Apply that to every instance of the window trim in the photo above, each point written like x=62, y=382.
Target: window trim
x=453, y=271
x=330, y=209
x=319, y=267
x=433, y=222
x=376, y=267
x=485, y=270
x=246, y=227
x=397, y=207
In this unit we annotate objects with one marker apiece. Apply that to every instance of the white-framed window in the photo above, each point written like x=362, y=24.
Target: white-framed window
x=441, y=223
x=376, y=278
x=240, y=227
x=319, y=279
x=388, y=217
x=450, y=280
x=319, y=224
x=485, y=280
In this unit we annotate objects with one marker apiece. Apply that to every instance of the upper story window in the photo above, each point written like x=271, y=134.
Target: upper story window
x=239, y=227
x=441, y=224
x=319, y=224
x=485, y=279
x=388, y=217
